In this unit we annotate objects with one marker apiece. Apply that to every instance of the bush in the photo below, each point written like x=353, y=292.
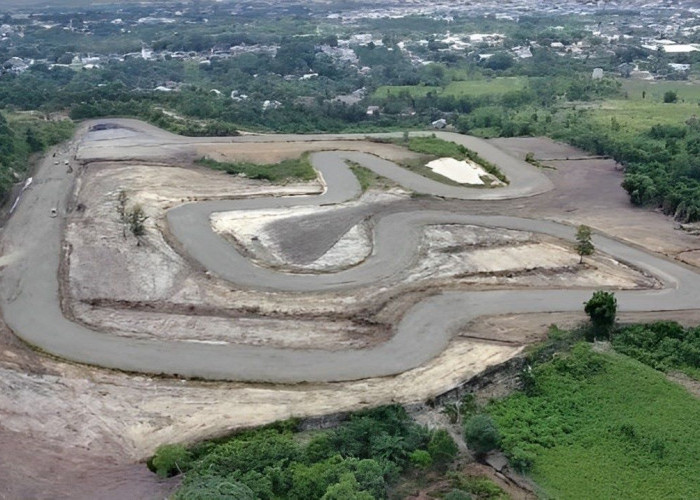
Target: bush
x=215, y=488
x=346, y=489
x=468, y=405
x=170, y=460
x=601, y=308
x=663, y=345
x=135, y=218
x=521, y=460
x=421, y=459
x=442, y=448
x=481, y=434
x=670, y=96
x=480, y=487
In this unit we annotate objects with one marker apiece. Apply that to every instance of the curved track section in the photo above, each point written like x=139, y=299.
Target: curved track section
x=31, y=302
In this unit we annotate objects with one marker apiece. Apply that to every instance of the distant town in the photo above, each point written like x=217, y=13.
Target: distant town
x=638, y=31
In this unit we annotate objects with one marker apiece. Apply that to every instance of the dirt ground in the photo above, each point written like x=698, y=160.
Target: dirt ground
x=278, y=151
x=105, y=285
x=587, y=191
x=70, y=431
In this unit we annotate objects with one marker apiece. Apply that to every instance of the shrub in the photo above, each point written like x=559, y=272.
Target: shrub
x=481, y=487
x=136, y=218
x=346, y=489
x=421, y=459
x=452, y=410
x=442, y=448
x=481, y=434
x=662, y=345
x=468, y=405
x=602, y=308
x=170, y=460
x=215, y=488
x=521, y=460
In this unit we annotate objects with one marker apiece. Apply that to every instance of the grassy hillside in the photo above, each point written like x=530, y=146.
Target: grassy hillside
x=602, y=425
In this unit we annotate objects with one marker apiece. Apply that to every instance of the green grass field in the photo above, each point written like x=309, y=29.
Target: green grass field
x=686, y=90
x=414, y=90
x=636, y=114
x=492, y=86
x=604, y=426
x=282, y=172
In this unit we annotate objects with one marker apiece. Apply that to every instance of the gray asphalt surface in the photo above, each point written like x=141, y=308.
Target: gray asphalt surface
x=31, y=305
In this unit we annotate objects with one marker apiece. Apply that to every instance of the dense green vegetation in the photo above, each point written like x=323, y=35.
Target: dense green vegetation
x=20, y=136
x=601, y=425
x=358, y=460
x=284, y=171
x=664, y=345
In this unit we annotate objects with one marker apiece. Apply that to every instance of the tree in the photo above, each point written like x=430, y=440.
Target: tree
x=584, y=246
x=602, y=308
x=500, y=61
x=346, y=489
x=481, y=435
x=135, y=218
x=670, y=96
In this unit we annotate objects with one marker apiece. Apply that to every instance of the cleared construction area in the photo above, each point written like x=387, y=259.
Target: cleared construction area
x=358, y=298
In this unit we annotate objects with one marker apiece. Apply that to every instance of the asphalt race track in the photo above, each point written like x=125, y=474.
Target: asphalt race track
x=32, y=247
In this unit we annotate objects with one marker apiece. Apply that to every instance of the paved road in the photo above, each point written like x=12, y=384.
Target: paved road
x=31, y=305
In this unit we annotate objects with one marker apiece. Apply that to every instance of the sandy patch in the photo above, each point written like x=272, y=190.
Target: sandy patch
x=464, y=172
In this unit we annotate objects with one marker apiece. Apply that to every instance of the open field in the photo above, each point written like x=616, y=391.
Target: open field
x=688, y=91
x=475, y=88
x=635, y=116
x=605, y=426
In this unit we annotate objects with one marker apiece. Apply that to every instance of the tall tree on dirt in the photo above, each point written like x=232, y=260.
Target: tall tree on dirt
x=584, y=245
